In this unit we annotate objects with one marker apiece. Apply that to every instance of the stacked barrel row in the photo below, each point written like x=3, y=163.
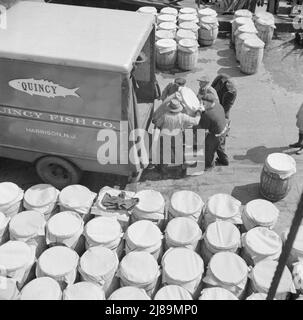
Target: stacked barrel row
x=249, y=36
x=76, y=244
x=179, y=33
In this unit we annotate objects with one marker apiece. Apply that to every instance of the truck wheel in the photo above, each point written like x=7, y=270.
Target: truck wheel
x=58, y=172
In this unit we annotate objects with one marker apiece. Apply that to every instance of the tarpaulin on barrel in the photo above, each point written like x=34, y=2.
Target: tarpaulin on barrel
x=173, y=292
x=83, y=291
x=43, y=288
x=217, y=293
x=129, y=293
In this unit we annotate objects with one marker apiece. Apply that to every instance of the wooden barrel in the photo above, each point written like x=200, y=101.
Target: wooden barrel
x=191, y=26
x=148, y=10
x=166, y=53
x=251, y=55
x=265, y=27
x=187, y=18
x=206, y=12
x=187, y=54
x=185, y=34
x=166, y=18
x=164, y=34
x=169, y=10
x=208, y=31
x=240, y=40
x=236, y=23
x=276, y=176
x=242, y=13
x=188, y=10
x=171, y=27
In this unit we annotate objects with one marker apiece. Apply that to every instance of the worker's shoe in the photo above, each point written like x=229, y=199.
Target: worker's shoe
x=298, y=144
x=222, y=162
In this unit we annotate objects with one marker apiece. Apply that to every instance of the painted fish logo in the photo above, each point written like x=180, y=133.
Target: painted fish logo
x=42, y=88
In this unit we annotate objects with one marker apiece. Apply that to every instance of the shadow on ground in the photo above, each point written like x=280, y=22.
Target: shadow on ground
x=246, y=193
x=260, y=153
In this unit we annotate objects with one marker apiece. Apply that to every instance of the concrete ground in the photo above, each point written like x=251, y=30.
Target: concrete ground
x=263, y=121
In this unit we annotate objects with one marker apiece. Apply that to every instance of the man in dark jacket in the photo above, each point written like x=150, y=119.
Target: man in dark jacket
x=213, y=120
x=227, y=92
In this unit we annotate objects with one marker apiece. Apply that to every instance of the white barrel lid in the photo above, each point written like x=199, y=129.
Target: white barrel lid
x=263, y=273
x=147, y=9
x=167, y=26
x=76, y=196
x=182, y=264
x=280, y=162
x=65, y=224
x=99, y=261
x=265, y=15
x=186, y=34
x=129, y=293
x=103, y=229
x=14, y=255
x=189, y=98
x=223, y=235
x=188, y=10
x=186, y=202
x=263, y=241
x=169, y=10
x=223, y=205
x=9, y=192
x=244, y=36
x=84, y=291
x=266, y=21
x=207, y=12
x=44, y=288
x=217, y=293
x=167, y=18
x=188, y=43
x=173, y=292
x=27, y=223
x=58, y=261
x=262, y=211
x=228, y=267
x=164, y=34
x=139, y=267
x=189, y=25
x=254, y=43
x=144, y=234
x=257, y=296
x=243, y=13
x=183, y=230
x=243, y=21
x=41, y=195
x=187, y=17
x=151, y=200
x=248, y=28
x=298, y=243
x=209, y=20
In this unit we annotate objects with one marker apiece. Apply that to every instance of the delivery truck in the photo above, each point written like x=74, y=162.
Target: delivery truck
x=68, y=72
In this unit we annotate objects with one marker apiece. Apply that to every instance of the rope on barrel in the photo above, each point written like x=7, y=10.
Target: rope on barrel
x=286, y=250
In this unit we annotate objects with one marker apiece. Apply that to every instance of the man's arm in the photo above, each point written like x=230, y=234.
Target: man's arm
x=228, y=99
x=165, y=92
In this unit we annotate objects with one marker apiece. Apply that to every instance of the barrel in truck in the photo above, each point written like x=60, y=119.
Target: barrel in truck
x=66, y=73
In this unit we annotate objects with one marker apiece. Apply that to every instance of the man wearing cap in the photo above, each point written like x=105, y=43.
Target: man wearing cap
x=205, y=88
x=172, y=88
x=213, y=120
x=173, y=122
x=226, y=91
